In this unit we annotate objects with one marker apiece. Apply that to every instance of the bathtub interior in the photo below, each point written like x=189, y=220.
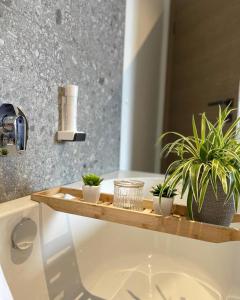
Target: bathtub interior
x=80, y=258
x=146, y=265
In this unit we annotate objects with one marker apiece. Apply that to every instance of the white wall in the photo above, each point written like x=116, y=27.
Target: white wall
x=145, y=55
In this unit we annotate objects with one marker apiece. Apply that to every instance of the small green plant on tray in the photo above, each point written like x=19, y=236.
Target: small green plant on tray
x=165, y=192
x=3, y=152
x=92, y=179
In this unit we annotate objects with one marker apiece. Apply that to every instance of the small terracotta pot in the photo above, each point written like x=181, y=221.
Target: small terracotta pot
x=163, y=207
x=91, y=193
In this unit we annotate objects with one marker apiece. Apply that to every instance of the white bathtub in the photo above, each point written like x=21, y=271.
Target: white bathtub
x=80, y=258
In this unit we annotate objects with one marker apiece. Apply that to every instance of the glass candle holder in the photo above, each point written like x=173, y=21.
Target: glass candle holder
x=128, y=194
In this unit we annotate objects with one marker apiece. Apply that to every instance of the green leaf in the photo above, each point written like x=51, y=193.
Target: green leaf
x=214, y=187
x=175, y=182
x=203, y=127
x=172, y=176
x=203, y=152
x=231, y=154
x=224, y=182
x=195, y=133
x=215, y=168
x=237, y=180
x=223, y=178
x=231, y=187
x=185, y=184
x=189, y=203
x=236, y=198
x=186, y=141
x=194, y=176
x=186, y=176
x=186, y=168
x=172, y=167
x=203, y=193
x=231, y=129
x=205, y=173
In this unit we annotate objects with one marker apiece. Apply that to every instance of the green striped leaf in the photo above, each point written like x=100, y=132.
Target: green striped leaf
x=203, y=127
x=203, y=190
x=189, y=203
x=236, y=198
x=195, y=133
x=194, y=176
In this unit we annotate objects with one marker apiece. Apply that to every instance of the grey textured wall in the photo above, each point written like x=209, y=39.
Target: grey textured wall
x=46, y=44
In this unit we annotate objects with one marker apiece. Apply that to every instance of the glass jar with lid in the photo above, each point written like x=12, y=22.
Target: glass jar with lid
x=128, y=194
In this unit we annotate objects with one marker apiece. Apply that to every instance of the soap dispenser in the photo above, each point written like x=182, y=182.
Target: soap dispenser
x=13, y=130
x=68, y=130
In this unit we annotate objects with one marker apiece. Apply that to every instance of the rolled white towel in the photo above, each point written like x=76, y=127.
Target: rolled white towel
x=5, y=293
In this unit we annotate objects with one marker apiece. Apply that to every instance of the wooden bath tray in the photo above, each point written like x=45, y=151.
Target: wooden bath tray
x=176, y=224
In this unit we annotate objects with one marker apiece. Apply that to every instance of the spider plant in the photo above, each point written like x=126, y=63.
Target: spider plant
x=208, y=157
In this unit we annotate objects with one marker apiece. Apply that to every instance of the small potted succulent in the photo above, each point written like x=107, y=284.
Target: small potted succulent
x=163, y=205
x=91, y=187
x=3, y=152
x=208, y=168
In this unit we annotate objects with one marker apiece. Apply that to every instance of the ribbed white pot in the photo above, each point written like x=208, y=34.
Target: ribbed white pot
x=91, y=193
x=163, y=208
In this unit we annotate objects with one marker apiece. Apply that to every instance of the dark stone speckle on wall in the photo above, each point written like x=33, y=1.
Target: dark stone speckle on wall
x=58, y=16
x=46, y=44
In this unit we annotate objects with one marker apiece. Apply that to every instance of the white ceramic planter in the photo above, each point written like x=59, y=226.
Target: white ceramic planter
x=166, y=205
x=91, y=193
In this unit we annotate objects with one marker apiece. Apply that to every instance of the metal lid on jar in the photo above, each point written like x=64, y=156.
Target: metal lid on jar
x=129, y=183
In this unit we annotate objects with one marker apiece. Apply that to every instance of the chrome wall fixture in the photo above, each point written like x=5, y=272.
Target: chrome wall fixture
x=13, y=130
